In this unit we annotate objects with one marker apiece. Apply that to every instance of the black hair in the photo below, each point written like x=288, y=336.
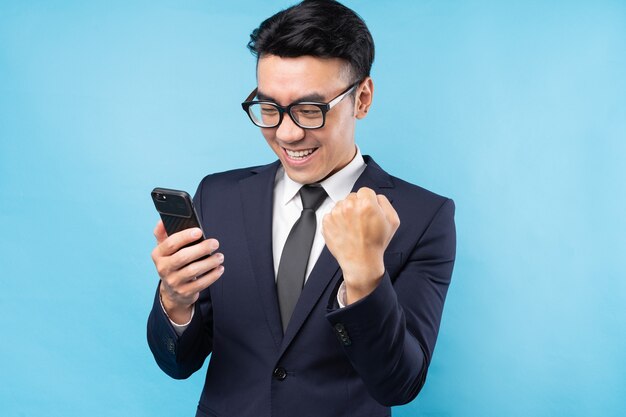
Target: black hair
x=320, y=28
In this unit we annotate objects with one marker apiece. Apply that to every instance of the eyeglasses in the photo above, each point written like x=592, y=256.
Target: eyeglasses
x=306, y=114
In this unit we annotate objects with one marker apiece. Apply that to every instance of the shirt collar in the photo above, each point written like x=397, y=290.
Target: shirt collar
x=337, y=186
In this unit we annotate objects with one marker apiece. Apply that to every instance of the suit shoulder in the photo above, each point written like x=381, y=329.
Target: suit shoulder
x=413, y=191
x=226, y=178
x=409, y=199
x=421, y=209
x=402, y=191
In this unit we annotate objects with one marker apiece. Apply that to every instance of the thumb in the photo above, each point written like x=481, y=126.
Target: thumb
x=159, y=232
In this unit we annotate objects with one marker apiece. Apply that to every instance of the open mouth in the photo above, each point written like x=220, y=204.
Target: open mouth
x=300, y=155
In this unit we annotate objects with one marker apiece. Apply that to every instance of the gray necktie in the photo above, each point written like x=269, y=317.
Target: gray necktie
x=295, y=256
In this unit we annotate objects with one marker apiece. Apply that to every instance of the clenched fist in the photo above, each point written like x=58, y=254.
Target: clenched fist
x=357, y=232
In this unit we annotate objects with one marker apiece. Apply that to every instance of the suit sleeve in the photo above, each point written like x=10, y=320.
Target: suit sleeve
x=389, y=336
x=180, y=356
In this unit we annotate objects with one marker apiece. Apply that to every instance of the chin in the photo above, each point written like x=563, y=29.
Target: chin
x=302, y=177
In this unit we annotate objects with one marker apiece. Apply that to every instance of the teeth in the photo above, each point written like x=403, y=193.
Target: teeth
x=299, y=154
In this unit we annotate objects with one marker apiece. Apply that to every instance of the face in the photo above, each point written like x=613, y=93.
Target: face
x=311, y=155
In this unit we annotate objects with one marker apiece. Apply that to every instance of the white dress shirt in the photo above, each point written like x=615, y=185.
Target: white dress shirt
x=287, y=209
x=288, y=206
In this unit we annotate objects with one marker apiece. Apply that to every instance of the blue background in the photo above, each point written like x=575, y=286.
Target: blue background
x=517, y=110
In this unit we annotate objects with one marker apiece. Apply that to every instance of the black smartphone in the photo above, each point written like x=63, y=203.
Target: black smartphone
x=176, y=210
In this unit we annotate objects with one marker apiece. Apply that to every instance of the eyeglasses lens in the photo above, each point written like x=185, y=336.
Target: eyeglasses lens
x=305, y=115
x=264, y=115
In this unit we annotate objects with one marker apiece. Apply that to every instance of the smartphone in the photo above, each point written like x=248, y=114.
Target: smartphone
x=176, y=210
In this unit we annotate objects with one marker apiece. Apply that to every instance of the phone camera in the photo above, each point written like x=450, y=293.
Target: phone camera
x=160, y=196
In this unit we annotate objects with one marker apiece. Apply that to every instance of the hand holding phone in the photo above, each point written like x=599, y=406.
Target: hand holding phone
x=184, y=259
x=176, y=210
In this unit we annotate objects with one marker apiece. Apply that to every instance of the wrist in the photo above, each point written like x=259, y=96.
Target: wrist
x=177, y=313
x=362, y=283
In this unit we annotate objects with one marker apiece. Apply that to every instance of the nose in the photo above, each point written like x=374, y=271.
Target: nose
x=288, y=131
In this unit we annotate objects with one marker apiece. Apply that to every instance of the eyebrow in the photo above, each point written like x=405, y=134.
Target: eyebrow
x=309, y=97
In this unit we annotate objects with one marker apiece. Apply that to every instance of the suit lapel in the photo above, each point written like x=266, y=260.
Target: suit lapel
x=257, y=193
x=375, y=178
x=326, y=268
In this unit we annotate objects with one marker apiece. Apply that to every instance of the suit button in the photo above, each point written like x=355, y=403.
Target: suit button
x=342, y=334
x=280, y=374
x=171, y=346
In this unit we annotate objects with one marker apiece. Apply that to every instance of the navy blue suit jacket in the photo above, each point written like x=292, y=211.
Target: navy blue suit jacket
x=355, y=361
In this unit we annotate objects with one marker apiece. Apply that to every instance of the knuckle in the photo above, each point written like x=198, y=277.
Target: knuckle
x=174, y=289
x=168, y=245
x=363, y=191
x=161, y=269
x=181, y=257
x=169, y=287
x=394, y=221
x=351, y=207
x=171, y=280
x=193, y=269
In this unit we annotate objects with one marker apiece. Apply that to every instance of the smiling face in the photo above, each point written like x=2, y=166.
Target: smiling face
x=311, y=155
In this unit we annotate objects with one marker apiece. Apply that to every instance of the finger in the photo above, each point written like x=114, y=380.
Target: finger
x=349, y=197
x=159, y=232
x=390, y=212
x=192, y=253
x=173, y=243
x=189, y=289
x=206, y=280
x=366, y=193
x=194, y=271
x=190, y=285
x=346, y=205
x=199, y=268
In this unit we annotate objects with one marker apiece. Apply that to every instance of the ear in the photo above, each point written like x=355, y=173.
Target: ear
x=364, y=97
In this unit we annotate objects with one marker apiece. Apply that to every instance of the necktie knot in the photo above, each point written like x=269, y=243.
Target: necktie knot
x=312, y=197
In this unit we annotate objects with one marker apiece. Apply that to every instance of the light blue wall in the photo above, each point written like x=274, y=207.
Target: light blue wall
x=517, y=110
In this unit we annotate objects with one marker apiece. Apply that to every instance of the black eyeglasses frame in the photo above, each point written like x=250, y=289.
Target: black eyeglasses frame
x=324, y=107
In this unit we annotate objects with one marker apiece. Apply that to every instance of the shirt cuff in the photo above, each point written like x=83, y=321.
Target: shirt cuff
x=178, y=328
x=341, y=295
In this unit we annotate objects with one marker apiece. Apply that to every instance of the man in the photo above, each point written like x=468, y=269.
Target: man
x=325, y=284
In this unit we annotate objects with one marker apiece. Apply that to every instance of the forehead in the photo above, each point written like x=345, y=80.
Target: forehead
x=286, y=79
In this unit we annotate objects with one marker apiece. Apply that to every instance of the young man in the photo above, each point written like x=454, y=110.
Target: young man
x=330, y=297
